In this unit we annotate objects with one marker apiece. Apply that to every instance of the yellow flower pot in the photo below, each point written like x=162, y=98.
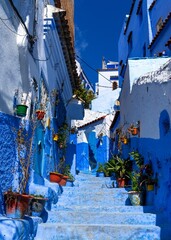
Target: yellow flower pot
x=150, y=187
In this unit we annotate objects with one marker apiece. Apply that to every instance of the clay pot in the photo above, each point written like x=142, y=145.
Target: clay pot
x=55, y=177
x=17, y=205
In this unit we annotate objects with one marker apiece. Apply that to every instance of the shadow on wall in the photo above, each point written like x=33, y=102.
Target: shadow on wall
x=92, y=160
x=158, y=151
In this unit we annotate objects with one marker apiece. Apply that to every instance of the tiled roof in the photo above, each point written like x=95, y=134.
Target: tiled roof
x=160, y=30
x=93, y=121
x=67, y=47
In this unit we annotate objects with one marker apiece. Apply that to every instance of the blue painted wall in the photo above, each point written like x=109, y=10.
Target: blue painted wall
x=142, y=24
x=82, y=157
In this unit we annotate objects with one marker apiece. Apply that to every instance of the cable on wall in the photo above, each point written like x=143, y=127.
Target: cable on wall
x=93, y=68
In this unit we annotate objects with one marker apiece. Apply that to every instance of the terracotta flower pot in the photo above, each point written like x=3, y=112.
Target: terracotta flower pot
x=40, y=114
x=63, y=181
x=17, y=205
x=134, y=130
x=121, y=182
x=55, y=177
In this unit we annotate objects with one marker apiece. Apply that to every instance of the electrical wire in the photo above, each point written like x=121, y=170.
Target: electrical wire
x=103, y=86
x=20, y=18
x=11, y=29
x=93, y=68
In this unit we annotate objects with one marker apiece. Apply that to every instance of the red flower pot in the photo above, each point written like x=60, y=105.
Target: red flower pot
x=40, y=114
x=55, y=177
x=121, y=182
x=63, y=180
x=134, y=131
x=17, y=205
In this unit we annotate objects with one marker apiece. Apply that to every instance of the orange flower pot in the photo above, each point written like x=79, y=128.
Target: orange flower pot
x=63, y=181
x=134, y=130
x=17, y=205
x=55, y=177
x=121, y=182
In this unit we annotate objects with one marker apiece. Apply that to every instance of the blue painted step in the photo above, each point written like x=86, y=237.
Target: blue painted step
x=102, y=218
x=57, y=231
x=91, y=211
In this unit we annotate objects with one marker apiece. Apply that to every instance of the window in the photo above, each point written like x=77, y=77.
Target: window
x=159, y=24
x=113, y=77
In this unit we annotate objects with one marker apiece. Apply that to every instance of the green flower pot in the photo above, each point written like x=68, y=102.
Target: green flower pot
x=21, y=110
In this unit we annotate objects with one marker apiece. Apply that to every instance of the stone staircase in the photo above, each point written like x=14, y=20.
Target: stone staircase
x=92, y=211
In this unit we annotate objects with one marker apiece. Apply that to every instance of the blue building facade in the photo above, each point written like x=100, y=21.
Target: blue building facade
x=144, y=69
x=39, y=73
x=145, y=33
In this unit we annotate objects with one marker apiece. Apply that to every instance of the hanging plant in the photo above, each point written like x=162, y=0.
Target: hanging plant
x=63, y=133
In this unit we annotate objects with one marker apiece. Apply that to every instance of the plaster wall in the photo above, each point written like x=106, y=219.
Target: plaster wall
x=149, y=102
x=143, y=28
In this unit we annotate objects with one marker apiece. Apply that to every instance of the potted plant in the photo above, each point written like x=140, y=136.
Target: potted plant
x=136, y=194
x=134, y=128
x=37, y=204
x=21, y=107
x=21, y=110
x=121, y=168
x=57, y=175
x=17, y=202
x=63, y=134
x=70, y=180
x=40, y=114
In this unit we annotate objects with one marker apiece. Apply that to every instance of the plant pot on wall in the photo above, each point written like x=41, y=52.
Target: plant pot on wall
x=17, y=205
x=55, y=177
x=55, y=137
x=150, y=187
x=21, y=110
x=37, y=205
x=40, y=114
x=63, y=180
x=135, y=131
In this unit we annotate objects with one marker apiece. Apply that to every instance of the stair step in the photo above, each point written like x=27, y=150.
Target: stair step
x=94, y=200
x=117, y=209
x=96, y=231
x=102, y=218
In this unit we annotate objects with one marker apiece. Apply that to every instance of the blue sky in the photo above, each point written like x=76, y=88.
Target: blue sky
x=97, y=27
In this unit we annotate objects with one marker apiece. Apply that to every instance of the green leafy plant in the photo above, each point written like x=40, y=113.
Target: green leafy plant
x=63, y=133
x=67, y=172
x=86, y=95
x=119, y=166
x=102, y=168
x=139, y=159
